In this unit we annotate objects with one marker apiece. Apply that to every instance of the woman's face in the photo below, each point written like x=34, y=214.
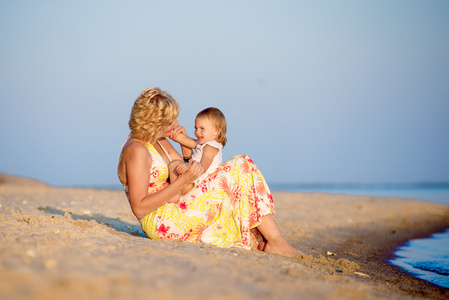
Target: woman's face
x=170, y=127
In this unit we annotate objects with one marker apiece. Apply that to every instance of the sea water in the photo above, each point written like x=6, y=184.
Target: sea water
x=426, y=258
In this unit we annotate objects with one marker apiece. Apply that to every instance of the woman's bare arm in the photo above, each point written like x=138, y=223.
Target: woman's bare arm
x=186, y=152
x=137, y=162
x=180, y=136
x=174, y=155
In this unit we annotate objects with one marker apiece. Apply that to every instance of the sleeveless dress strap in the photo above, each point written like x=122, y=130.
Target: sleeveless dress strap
x=166, y=153
x=127, y=139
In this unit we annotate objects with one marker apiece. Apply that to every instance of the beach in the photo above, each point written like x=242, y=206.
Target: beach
x=85, y=243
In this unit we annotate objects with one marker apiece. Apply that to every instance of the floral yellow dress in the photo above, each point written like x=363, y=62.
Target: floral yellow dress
x=222, y=210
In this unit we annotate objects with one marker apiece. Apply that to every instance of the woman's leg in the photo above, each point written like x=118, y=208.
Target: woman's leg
x=276, y=243
x=251, y=180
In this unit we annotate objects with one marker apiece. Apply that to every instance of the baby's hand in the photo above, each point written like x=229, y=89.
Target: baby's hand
x=182, y=168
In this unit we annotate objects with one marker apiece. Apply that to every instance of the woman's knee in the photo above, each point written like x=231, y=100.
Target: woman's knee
x=242, y=157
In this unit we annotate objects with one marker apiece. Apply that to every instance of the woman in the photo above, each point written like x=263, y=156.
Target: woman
x=232, y=207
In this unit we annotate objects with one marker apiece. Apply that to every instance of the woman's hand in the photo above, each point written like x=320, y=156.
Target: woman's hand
x=182, y=168
x=195, y=170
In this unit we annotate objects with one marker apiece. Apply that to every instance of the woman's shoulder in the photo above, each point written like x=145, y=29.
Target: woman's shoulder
x=133, y=147
x=133, y=154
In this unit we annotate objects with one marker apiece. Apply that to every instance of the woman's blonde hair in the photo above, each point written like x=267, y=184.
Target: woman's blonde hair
x=152, y=112
x=219, y=121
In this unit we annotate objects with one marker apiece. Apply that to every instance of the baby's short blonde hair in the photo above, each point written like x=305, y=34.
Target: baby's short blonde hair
x=218, y=119
x=152, y=111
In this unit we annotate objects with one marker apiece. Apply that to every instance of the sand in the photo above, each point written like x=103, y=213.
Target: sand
x=73, y=243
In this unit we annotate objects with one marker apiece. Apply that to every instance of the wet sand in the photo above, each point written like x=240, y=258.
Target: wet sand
x=73, y=243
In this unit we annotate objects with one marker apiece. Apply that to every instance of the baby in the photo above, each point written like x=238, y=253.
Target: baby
x=210, y=133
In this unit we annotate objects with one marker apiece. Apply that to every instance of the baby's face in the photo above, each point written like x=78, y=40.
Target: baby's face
x=205, y=131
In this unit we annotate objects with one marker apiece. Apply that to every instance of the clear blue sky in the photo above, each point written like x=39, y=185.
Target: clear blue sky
x=314, y=91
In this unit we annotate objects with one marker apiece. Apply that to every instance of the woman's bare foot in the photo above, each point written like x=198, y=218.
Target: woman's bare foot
x=280, y=246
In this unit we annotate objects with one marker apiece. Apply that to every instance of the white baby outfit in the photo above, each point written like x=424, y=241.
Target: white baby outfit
x=198, y=153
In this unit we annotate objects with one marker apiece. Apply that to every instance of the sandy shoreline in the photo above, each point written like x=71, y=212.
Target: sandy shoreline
x=71, y=243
